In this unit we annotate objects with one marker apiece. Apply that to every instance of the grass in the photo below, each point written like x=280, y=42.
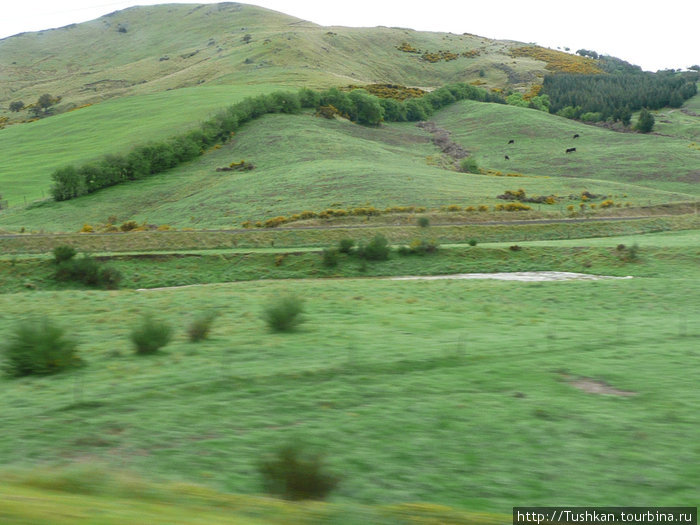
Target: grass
x=177, y=241
x=459, y=393
x=303, y=162
x=111, y=127
x=153, y=271
x=541, y=139
x=451, y=392
x=204, y=47
x=90, y=494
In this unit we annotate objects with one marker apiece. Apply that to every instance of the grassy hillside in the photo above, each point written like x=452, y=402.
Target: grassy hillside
x=154, y=48
x=654, y=161
x=32, y=151
x=309, y=163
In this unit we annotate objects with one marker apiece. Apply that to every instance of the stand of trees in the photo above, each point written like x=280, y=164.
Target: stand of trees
x=156, y=157
x=614, y=96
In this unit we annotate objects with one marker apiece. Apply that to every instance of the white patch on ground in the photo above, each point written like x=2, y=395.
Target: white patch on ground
x=515, y=276
x=511, y=276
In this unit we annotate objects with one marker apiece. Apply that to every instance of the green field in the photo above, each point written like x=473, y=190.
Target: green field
x=33, y=151
x=452, y=392
x=434, y=401
x=542, y=139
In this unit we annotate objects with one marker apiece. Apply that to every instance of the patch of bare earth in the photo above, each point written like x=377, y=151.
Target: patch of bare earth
x=597, y=386
x=516, y=276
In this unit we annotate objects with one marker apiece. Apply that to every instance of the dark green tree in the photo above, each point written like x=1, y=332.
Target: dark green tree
x=645, y=123
x=16, y=106
x=366, y=108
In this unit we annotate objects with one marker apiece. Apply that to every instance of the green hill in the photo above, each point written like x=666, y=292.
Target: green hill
x=310, y=163
x=155, y=48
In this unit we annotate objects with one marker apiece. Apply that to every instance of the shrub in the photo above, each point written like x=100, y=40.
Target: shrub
x=423, y=222
x=346, y=245
x=109, y=277
x=284, y=314
x=376, y=250
x=628, y=253
x=472, y=242
x=275, y=221
x=83, y=269
x=39, y=348
x=295, y=475
x=87, y=229
x=419, y=247
x=151, y=335
x=468, y=165
x=67, y=184
x=330, y=257
x=646, y=121
x=63, y=253
x=128, y=226
x=199, y=328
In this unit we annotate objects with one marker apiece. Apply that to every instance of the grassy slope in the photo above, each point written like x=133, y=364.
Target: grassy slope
x=93, y=61
x=409, y=387
x=32, y=151
x=665, y=163
x=303, y=162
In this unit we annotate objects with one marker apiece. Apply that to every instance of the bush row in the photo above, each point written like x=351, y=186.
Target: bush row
x=156, y=157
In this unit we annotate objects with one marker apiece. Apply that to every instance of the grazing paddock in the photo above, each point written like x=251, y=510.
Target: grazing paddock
x=415, y=390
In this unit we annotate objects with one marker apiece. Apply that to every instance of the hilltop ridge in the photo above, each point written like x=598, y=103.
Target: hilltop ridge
x=152, y=49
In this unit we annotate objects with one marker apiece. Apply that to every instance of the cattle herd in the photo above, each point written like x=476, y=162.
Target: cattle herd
x=568, y=150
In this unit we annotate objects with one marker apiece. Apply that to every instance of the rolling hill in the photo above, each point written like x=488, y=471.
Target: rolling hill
x=439, y=401
x=156, y=48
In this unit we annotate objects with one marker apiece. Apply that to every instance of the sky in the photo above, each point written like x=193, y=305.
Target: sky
x=653, y=35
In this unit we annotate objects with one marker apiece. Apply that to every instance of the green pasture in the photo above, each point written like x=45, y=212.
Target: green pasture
x=153, y=270
x=91, y=495
x=304, y=162
x=454, y=392
x=31, y=152
x=664, y=163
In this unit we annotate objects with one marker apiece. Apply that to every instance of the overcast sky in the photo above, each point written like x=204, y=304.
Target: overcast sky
x=654, y=35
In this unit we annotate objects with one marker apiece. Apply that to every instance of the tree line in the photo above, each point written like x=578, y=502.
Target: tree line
x=615, y=96
x=156, y=157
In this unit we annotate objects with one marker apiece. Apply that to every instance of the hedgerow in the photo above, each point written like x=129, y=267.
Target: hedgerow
x=151, y=158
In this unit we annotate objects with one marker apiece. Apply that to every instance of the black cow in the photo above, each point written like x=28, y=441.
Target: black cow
x=507, y=157
x=570, y=150
x=511, y=141
x=576, y=136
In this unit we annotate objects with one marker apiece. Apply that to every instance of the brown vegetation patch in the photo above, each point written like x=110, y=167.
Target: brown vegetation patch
x=597, y=386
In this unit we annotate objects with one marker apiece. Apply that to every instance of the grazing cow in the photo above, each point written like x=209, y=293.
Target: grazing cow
x=570, y=150
x=507, y=157
x=576, y=136
x=511, y=141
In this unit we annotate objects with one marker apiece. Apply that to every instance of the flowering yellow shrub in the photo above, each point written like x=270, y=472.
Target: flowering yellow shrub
x=407, y=48
x=559, y=61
